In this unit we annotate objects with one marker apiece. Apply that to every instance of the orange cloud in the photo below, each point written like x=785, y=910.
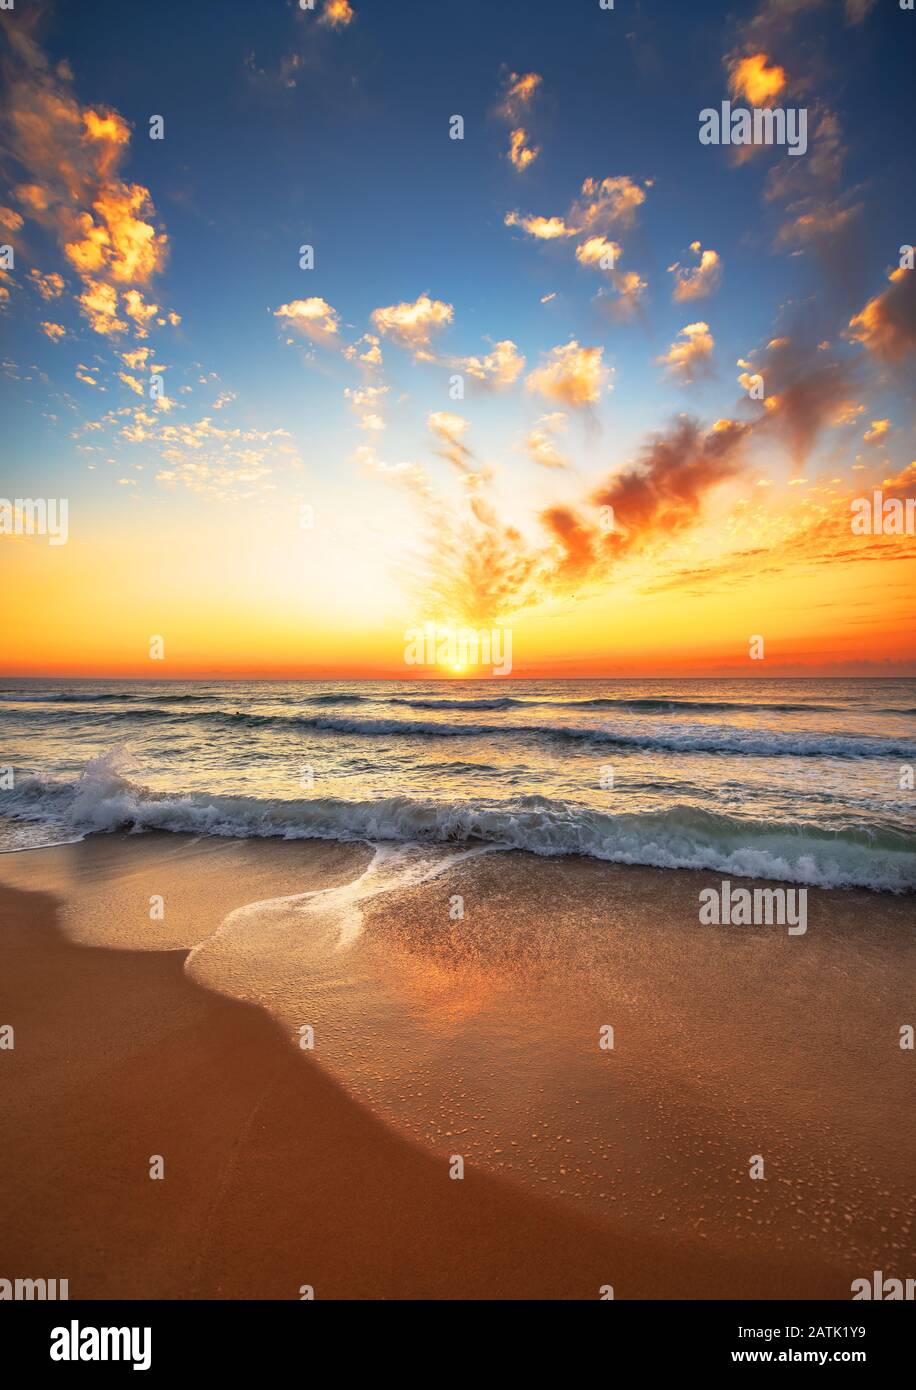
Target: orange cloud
x=313, y=317
x=140, y=311
x=699, y=281
x=521, y=154
x=99, y=302
x=131, y=381
x=450, y=429
x=540, y=441
x=412, y=325
x=659, y=498
x=518, y=94
x=691, y=356
x=337, y=14
x=572, y=375
x=887, y=324
x=541, y=228
x=754, y=79
x=807, y=390
x=598, y=251
x=49, y=286
x=69, y=156
x=499, y=368
x=10, y=220
x=605, y=203
x=366, y=350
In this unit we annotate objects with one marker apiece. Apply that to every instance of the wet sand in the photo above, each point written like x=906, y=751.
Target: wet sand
x=435, y=1036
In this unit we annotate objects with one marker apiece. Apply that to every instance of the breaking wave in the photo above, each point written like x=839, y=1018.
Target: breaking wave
x=103, y=799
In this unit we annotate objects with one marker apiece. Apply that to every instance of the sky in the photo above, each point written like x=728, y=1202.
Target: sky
x=551, y=364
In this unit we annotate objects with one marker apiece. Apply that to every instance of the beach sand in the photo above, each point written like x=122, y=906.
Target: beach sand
x=440, y=1029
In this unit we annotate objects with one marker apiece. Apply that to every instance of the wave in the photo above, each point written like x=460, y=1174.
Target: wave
x=58, y=697
x=497, y=702
x=647, y=705
x=688, y=739
x=678, y=838
x=654, y=705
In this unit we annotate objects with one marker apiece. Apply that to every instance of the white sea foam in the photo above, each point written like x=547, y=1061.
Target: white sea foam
x=679, y=837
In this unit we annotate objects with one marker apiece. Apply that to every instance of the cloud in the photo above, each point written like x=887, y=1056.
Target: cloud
x=518, y=94
x=49, y=286
x=500, y=368
x=650, y=503
x=450, y=429
x=115, y=238
x=54, y=331
x=572, y=375
x=606, y=203
x=690, y=357
x=753, y=78
x=11, y=221
x=603, y=205
x=811, y=178
x=365, y=402
x=807, y=390
x=521, y=154
x=448, y=425
x=337, y=14
x=876, y=431
x=808, y=224
x=540, y=441
x=99, y=302
x=629, y=286
x=140, y=310
x=69, y=156
x=137, y=358
x=887, y=324
x=677, y=469
x=366, y=350
x=598, y=251
x=411, y=325
x=132, y=382
x=541, y=228
x=476, y=569
x=313, y=317
x=696, y=282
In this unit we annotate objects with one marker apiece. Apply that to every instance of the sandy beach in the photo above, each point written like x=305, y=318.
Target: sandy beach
x=437, y=1036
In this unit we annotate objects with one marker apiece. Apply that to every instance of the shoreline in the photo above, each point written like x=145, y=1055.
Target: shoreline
x=286, y=1168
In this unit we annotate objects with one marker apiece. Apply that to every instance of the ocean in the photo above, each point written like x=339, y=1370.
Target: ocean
x=808, y=781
